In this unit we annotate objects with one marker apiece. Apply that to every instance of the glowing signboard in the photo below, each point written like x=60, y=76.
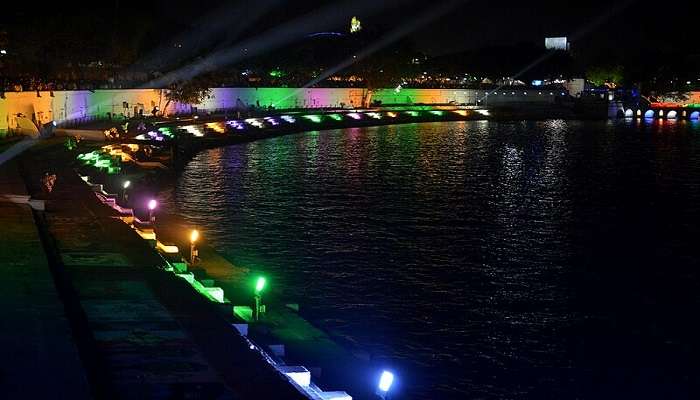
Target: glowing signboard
x=556, y=43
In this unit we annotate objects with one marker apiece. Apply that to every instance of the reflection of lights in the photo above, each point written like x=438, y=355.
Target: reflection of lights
x=436, y=112
x=289, y=119
x=313, y=118
x=483, y=112
x=391, y=114
x=336, y=117
x=354, y=115
x=374, y=115
x=461, y=112
x=412, y=113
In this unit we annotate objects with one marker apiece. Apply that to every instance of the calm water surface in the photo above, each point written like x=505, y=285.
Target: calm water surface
x=525, y=260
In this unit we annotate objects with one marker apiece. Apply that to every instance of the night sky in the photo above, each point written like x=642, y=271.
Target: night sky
x=471, y=24
x=615, y=29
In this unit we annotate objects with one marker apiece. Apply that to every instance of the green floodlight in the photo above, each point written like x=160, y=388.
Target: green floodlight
x=260, y=285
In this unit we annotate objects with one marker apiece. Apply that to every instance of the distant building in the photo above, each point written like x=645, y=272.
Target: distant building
x=557, y=43
x=355, y=25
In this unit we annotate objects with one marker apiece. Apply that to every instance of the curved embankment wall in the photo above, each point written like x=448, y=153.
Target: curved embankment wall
x=75, y=105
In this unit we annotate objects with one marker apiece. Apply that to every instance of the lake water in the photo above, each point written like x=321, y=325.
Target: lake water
x=485, y=260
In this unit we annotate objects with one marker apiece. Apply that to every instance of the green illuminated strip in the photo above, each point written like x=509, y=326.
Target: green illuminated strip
x=313, y=118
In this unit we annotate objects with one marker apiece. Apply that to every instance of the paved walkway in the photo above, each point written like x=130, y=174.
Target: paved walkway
x=38, y=356
x=152, y=336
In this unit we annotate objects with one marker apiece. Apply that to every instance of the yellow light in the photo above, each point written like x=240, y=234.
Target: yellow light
x=167, y=248
x=216, y=126
x=194, y=235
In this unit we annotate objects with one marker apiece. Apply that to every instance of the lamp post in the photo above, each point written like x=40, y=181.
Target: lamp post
x=125, y=186
x=385, y=382
x=152, y=204
x=259, y=286
x=194, y=235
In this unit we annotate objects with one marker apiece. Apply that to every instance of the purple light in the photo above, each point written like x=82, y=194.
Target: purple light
x=152, y=204
x=354, y=115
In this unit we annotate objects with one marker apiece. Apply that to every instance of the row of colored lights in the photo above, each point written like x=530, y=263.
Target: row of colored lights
x=216, y=294
x=671, y=114
x=674, y=105
x=318, y=118
x=101, y=160
x=164, y=133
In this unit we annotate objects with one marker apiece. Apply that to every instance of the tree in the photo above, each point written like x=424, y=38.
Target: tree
x=189, y=92
x=602, y=75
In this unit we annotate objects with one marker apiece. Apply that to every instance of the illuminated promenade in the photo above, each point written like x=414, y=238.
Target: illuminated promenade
x=140, y=331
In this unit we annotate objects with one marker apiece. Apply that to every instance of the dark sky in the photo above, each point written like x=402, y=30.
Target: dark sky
x=593, y=24
x=473, y=24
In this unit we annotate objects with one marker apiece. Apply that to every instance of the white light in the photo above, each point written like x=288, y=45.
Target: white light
x=54, y=123
x=385, y=381
x=3, y=51
x=126, y=184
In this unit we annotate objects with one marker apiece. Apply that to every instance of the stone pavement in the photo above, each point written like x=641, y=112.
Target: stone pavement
x=147, y=333
x=39, y=355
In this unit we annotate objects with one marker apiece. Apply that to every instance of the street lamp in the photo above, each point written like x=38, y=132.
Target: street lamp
x=152, y=204
x=194, y=235
x=385, y=382
x=259, y=286
x=125, y=186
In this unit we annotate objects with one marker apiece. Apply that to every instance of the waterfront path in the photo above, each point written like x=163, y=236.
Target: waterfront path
x=39, y=355
x=145, y=333
x=334, y=367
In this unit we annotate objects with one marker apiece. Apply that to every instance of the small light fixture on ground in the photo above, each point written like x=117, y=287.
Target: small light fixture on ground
x=152, y=204
x=385, y=382
x=259, y=286
x=125, y=186
x=194, y=236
